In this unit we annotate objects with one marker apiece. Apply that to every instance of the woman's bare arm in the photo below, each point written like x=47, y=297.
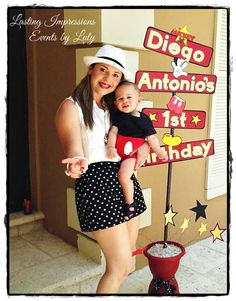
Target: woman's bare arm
x=68, y=128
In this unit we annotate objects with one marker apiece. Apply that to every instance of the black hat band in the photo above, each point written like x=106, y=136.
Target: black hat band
x=115, y=61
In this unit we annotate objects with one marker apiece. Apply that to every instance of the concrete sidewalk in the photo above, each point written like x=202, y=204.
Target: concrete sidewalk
x=41, y=263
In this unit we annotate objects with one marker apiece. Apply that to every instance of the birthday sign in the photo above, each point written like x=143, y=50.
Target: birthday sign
x=169, y=44
x=154, y=81
x=178, y=44
x=188, y=119
x=184, y=151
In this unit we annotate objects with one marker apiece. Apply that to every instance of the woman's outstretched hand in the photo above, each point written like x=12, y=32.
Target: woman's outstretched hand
x=75, y=167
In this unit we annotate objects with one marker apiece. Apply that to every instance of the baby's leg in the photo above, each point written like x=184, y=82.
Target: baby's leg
x=124, y=174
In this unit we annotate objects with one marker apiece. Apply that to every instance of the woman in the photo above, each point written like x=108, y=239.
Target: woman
x=83, y=122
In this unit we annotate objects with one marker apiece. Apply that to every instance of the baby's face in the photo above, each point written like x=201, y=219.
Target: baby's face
x=127, y=99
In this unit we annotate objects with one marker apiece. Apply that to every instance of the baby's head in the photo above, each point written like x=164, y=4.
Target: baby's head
x=127, y=97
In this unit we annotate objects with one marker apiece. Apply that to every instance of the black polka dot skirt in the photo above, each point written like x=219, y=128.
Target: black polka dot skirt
x=99, y=198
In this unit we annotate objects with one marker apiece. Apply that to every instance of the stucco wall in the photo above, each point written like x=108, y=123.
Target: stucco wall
x=51, y=77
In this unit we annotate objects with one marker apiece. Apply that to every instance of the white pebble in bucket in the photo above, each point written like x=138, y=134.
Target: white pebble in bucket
x=157, y=250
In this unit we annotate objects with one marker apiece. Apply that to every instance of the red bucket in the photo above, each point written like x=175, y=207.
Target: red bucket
x=164, y=267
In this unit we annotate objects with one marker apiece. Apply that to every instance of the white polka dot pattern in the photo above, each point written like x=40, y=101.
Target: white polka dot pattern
x=99, y=199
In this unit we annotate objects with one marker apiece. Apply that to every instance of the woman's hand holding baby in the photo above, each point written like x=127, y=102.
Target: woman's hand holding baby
x=111, y=152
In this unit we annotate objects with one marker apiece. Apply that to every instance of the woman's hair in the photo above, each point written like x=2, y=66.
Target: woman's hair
x=83, y=95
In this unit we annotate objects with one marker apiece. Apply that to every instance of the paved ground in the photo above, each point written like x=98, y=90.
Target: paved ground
x=41, y=263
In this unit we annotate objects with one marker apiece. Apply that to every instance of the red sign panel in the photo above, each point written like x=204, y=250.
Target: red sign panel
x=188, y=119
x=184, y=151
x=165, y=43
x=154, y=81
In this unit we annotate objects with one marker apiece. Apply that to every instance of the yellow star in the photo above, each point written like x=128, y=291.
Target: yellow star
x=185, y=224
x=169, y=216
x=202, y=229
x=184, y=31
x=217, y=232
x=195, y=119
x=152, y=117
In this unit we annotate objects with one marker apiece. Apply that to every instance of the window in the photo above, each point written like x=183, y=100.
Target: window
x=216, y=183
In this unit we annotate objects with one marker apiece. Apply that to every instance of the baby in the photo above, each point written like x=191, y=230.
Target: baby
x=130, y=129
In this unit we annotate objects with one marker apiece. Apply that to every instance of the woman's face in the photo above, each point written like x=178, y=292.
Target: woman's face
x=104, y=79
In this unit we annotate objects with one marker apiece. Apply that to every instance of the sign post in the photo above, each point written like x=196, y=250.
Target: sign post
x=181, y=48
x=179, y=45
x=168, y=202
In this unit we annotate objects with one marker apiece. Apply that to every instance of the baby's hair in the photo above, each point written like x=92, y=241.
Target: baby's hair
x=128, y=83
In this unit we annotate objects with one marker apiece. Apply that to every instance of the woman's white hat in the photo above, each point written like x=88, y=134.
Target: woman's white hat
x=110, y=55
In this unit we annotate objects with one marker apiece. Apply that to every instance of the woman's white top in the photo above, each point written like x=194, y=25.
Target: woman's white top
x=93, y=139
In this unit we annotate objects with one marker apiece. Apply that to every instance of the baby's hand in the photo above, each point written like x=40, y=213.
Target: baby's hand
x=111, y=152
x=162, y=156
